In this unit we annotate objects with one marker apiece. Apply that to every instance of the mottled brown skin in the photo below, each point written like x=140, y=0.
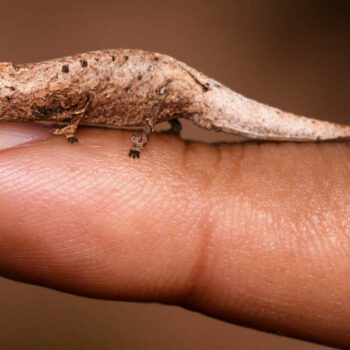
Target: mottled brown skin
x=121, y=88
x=134, y=88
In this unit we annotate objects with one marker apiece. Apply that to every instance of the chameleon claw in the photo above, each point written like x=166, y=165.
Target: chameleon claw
x=134, y=153
x=72, y=139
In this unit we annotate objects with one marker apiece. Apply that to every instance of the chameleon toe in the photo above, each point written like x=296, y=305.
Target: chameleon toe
x=72, y=139
x=134, y=153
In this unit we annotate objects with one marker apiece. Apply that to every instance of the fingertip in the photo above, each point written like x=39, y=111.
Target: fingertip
x=15, y=133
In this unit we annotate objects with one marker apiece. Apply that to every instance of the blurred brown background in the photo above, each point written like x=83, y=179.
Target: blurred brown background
x=291, y=54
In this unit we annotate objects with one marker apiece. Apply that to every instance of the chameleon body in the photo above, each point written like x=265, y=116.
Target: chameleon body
x=134, y=88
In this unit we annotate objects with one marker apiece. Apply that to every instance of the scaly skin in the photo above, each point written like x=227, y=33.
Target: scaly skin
x=128, y=88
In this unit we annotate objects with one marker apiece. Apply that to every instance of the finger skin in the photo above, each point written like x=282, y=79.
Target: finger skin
x=256, y=234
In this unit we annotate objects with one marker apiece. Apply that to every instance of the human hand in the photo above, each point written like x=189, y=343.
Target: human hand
x=255, y=234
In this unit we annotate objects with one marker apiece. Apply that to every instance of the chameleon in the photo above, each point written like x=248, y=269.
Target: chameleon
x=135, y=88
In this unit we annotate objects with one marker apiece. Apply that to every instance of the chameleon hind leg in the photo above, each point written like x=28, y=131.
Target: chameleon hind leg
x=140, y=141
x=175, y=127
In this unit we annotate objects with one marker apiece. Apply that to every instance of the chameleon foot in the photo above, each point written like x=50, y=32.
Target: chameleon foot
x=72, y=139
x=134, y=153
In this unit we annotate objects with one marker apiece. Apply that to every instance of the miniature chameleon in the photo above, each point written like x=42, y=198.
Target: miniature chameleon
x=134, y=88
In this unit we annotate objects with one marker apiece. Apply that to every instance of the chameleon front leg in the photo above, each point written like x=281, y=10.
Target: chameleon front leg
x=70, y=129
x=139, y=142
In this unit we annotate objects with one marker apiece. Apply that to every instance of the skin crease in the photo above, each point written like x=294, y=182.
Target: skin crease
x=255, y=234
